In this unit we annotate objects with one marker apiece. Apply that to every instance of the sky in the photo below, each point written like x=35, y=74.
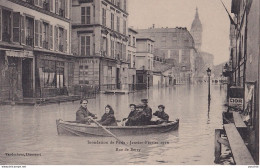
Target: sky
x=180, y=13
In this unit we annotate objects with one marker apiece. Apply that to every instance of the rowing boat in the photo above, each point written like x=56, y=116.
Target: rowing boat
x=73, y=128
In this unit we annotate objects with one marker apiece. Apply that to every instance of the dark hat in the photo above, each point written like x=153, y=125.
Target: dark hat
x=132, y=105
x=144, y=100
x=161, y=106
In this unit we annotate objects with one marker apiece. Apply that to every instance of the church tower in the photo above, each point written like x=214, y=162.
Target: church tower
x=196, y=31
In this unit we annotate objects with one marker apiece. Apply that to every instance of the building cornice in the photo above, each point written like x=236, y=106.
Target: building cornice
x=27, y=5
x=76, y=26
x=117, y=8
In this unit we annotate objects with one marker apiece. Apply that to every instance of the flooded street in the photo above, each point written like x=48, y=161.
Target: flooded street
x=26, y=129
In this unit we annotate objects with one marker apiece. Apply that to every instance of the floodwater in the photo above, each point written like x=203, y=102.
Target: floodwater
x=26, y=129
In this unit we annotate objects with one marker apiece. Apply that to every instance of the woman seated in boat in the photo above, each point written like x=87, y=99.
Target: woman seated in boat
x=161, y=115
x=108, y=119
x=132, y=118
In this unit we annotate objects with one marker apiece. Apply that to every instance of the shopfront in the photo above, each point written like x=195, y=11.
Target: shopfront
x=54, y=75
x=17, y=80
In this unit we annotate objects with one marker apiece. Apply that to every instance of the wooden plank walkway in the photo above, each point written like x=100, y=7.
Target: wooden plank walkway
x=239, y=150
x=238, y=120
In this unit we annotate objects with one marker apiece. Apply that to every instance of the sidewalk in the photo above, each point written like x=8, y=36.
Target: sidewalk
x=41, y=101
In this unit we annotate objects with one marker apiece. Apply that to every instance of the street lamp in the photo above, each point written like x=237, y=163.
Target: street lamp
x=209, y=74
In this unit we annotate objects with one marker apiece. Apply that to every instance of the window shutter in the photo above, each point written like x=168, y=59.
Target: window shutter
x=66, y=8
x=65, y=41
x=56, y=38
x=16, y=27
x=36, y=39
x=51, y=5
x=56, y=7
x=0, y=24
x=22, y=30
x=51, y=37
x=40, y=33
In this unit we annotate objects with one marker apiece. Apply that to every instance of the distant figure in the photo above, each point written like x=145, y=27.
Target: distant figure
x=146, y=113
x=133, y=117
x=163, y=117
x=83, y=115
x=108, y=119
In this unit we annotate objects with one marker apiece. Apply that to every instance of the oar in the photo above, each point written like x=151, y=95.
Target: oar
x=107, y=130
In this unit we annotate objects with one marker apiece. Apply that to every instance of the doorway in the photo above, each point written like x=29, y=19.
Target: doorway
x=27, y=80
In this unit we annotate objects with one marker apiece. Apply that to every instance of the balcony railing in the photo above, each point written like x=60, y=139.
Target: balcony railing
x=61, y=48
x=29, y=41
x=62, y=12
x=46, y=6
x=30, y=2
x=45, y=45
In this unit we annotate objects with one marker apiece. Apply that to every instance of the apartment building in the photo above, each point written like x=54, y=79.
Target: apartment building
x=144, y=61
x=35, y=59
x=99, y=40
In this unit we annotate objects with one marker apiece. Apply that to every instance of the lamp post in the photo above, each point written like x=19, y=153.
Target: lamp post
x=209, y=74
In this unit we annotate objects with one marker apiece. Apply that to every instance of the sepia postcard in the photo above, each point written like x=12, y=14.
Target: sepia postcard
x=129, y=82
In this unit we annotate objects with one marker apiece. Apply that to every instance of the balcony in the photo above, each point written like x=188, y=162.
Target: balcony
x=29, y=41
x=6, y=37
x=45, y=45
x=62, y=12
x=61, y=49
x=46, y=6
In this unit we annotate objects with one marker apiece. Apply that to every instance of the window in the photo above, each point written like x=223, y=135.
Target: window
x=104, y=15
x=112, y=21
x=103, y=46
x=85, y=45
x=6, y=25
x=124, y=29
x=38, y=3
x=112, y=49
x=85, y=15
x=16, y=27
x=52, y=74
x=149, y=48
x=61, y=39
x=45, y=35
x=129, y=40
x=118, y=24
x=134, y=40
x=51, y=37
x=29, y=31
x=124, y=52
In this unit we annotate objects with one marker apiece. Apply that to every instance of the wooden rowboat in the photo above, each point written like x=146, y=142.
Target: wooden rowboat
x=73, y=128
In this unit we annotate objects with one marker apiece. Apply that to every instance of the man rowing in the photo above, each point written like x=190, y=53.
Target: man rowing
x=83, y=115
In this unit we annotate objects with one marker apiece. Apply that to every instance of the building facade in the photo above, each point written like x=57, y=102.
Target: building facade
x=99, y=40
x=175, y=45
x=144, y=62
x=131, y=50
x=35, y=57
x=243, y=70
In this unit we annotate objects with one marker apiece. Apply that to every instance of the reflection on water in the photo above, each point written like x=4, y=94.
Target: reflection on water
x=33, y=130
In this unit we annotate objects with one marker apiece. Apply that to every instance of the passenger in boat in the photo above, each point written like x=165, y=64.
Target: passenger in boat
x=162, y=116
x=132, y=118
x=108, y=119
x=146, y=113
x=83, y=115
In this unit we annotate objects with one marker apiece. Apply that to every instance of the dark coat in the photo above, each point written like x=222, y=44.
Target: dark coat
x=134, y=118
x=147, y=115
x=162, y=115
x=108, y=119
x=82, y=114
